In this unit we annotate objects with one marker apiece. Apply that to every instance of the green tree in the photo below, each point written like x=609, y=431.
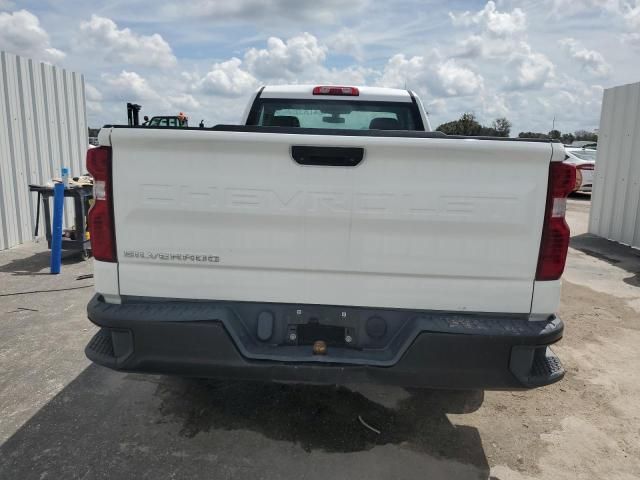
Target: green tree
x=567, y=138
x=450, y=128
x=532, y=135
x=584, y=135
x=502, y=127
x=555, y=134
x=466, y=125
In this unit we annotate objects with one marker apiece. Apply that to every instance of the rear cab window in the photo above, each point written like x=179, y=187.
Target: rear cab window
x=336, y=114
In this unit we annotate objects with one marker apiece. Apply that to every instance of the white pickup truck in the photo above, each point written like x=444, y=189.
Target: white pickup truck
x=331, y=238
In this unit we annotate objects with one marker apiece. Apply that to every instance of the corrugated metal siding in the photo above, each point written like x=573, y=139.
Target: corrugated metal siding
x=615, y=209
x=43, y=127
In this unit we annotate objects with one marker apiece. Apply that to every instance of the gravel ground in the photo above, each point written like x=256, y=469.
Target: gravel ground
x=62, y=417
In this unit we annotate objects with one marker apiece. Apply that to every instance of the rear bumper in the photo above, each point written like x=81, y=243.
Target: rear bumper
x=430, y=349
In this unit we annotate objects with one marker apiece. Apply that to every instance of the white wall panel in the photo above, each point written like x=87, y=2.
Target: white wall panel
x=43, y=127
x=616, y=190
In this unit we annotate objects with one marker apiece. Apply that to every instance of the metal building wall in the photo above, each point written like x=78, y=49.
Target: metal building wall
x=43, y=126
x=615, y=208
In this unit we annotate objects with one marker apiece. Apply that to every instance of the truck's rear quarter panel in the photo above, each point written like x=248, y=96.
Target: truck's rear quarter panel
x=420, y=223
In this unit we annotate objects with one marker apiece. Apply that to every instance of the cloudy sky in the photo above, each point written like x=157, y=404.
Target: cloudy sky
x=528, y=61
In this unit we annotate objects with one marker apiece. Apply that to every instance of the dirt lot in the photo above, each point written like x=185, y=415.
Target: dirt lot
x=61, y=417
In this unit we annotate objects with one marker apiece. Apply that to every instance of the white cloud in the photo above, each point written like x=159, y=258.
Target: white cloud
x=352, y=75
x=130, y=86
x=574, y=103
x=440, y=78
x=499, y=24
x=498, y=34
x=6, y=4
x=488, y=62
x=502, y=38
x=299, y=59
x=486, y=46
x=94, y=108
x=631, y=15
x=347, y=43
x=401, y=72
x=457, y=80
x=632, y=39
x=532, y=71
x=21, y=33
x=324, y=11
x=572, y=7
x=495, y=106
x=227, y=78
x=281, y=60
x=183, y=102
x=122, y=45
x=471, y=47
x=436, y=106
x=593, y=62
x=133, y=87
x=93, y=98
x=629, y=10
x=92, y=92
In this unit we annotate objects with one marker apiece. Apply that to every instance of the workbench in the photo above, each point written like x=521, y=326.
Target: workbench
x=82, y=196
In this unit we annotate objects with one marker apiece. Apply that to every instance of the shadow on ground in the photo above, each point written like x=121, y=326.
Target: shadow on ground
x=38, y=263
x=139, y=420
x=616, y=254
x=325, y=418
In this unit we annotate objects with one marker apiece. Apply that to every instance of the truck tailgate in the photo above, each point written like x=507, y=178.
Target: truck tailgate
x=420, y=223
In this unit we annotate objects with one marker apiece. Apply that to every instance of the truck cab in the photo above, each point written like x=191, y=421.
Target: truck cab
x=336, y=107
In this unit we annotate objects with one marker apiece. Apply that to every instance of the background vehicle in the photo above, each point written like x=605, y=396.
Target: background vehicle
x=133, y=118
x=584, y=159
x=168, y=121
x=331, y=239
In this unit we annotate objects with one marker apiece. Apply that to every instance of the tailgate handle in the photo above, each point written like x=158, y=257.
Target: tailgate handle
x=328, y=156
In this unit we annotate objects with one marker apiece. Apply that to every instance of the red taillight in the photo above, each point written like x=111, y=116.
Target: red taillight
x=555, y=231
x=101, y=229
x=329, y=90
x=586, y=166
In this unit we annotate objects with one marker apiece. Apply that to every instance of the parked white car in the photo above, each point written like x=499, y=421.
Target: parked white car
x=584, y=159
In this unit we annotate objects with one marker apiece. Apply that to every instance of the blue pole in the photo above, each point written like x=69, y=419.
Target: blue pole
x=56, y=233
